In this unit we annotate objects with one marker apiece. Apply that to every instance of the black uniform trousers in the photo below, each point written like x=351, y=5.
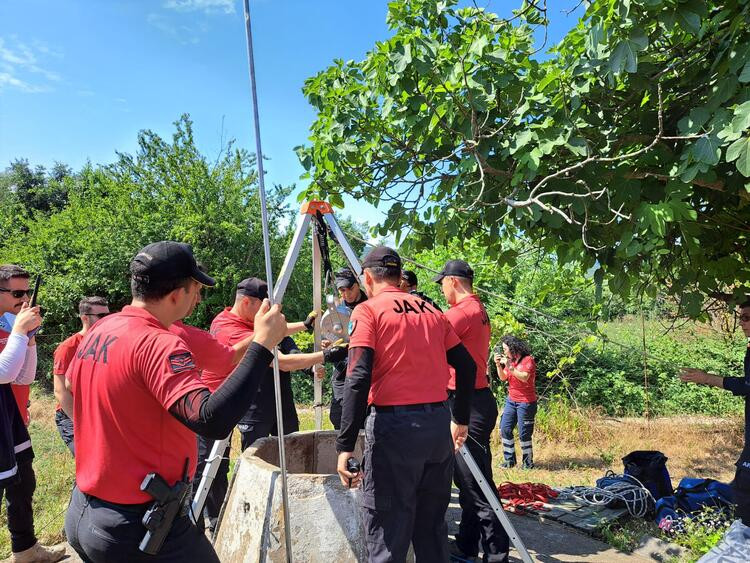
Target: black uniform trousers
x=109, y=532
x=478, y=520
x=65, y=428
x=18, y=498
x=406, y=486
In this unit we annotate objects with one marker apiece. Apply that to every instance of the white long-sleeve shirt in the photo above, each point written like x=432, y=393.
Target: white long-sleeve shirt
x=18, y=360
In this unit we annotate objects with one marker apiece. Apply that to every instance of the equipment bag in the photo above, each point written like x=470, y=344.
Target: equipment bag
x=691, y=496
x=650, y=468
x=694, y=494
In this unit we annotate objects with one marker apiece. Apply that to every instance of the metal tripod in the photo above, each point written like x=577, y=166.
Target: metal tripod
x=319, y=215
x=491, y=497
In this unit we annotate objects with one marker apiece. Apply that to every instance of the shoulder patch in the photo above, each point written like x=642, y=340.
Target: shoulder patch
x=181, y=362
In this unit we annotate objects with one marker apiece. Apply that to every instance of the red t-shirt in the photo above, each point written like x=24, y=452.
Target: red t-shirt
x=228, y=329
x=64, y=355
x=522, y=391
x=208, y=353
x=472, y=325
x=410, y=339
x=20, y=392
x=127, y=373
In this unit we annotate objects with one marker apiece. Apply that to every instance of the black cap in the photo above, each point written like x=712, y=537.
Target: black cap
x=253, y=287
x=167, y=260
x=457, y=268
x=409, y=277
x=382, y=256
x=345, y=278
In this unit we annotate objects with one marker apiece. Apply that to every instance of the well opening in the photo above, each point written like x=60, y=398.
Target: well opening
x=306, y=452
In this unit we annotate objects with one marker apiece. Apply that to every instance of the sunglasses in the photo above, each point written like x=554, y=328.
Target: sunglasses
x=96, y=315
x=17, y=293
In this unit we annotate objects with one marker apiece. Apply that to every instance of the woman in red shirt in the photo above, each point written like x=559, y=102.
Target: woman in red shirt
x=517, y=366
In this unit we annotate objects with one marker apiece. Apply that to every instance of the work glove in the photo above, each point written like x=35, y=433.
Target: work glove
x=337, y=352
x=309, y=322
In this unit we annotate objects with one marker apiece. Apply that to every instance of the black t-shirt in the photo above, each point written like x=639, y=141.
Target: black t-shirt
x=339, y=368
x=263, y=408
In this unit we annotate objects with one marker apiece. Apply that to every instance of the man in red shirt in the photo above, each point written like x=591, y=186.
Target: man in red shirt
x=233, y=325
x=90, y=310
x=138, y=403
x=17, y=479
x=400, y=350
x=472, y=325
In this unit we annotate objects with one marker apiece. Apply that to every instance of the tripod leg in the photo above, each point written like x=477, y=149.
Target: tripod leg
x=495, y=504
x=209, y=473
x=317, y=305
x=291, y=258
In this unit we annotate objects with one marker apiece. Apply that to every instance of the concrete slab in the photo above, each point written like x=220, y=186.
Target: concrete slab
x=549, y=541
x=660, y=550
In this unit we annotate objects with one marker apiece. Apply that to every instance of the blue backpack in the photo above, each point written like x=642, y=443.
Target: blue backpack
x=693, y=495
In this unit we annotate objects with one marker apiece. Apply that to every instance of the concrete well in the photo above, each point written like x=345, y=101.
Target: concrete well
x=325, y=521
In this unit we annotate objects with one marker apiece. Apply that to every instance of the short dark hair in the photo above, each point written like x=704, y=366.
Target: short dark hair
x=86, y=304
x=389, y=274
x=745, y=304
x=518, y=348
x=145, y=289
x=10, y=271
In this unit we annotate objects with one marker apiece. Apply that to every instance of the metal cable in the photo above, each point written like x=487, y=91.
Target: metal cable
x=532, y=309
x=269, y=280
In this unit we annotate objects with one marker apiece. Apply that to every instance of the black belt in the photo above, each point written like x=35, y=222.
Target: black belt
x=402, y=408
x=139, y=509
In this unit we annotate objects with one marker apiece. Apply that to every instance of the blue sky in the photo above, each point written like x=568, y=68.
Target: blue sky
x=79, y=79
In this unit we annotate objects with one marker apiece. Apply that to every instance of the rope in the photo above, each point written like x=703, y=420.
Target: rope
x=522, y=497
x=626, y=489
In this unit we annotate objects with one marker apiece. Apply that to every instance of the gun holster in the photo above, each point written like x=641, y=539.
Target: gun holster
x=169, y=503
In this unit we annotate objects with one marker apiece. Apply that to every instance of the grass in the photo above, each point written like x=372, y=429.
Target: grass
x=571, y=447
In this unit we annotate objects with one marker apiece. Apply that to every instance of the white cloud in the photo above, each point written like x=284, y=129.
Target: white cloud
x=184, y=34
x=21, y=65
x=226, y=6
x=8, y=80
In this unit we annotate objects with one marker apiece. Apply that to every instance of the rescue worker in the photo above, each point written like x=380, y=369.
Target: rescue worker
x=469, y=319
x=517, y=366
x=90, y=310
x=18, y=362
x=400, y=350
x=738, y=386
x=351, y=295
x=409, y=284
x=138, y=403
x=233, y=325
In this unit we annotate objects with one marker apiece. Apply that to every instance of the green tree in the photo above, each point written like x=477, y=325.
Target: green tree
x=626, y=152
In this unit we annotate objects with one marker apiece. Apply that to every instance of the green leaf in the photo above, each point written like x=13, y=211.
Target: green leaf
x=741, y=119
x=745, y=74
x=638, y=39
x=623, y=58
x=740, y=151
x=521, y=140
x=689, y=21
x=707, y=150
x=478, y=45
x=547, y=80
